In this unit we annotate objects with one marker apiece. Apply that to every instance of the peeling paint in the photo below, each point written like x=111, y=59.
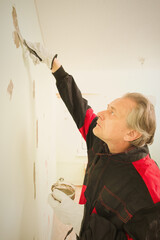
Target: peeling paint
x=15, y=21
x=10, y=89
x=16, y=39
x=37, y=133
x=19, y=40
x=34, y=179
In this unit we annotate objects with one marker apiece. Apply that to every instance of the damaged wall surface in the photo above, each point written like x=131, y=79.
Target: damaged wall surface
x=27, y=139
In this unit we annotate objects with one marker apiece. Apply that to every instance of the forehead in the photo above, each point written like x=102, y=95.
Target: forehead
x=123, y=106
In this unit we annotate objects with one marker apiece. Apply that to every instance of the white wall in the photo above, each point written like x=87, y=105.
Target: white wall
x=27, y=131
x=110, y=47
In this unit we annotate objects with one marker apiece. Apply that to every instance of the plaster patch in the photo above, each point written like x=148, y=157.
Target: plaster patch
x=10, y=88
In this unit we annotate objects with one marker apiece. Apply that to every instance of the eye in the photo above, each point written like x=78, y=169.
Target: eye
x=110, y=110
x=112, y=113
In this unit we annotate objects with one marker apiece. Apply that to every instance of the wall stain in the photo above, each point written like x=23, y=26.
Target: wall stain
x=10, y=89
x=34, y=179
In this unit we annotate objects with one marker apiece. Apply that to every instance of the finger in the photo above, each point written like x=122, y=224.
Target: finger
x=52, y=202
x=59, y=195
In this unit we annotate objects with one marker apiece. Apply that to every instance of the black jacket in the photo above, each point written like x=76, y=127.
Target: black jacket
x=116, y=186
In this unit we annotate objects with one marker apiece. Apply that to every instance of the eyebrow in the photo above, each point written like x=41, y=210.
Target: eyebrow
x=113, y=108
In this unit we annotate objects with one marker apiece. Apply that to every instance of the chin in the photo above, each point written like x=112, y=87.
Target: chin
x=95, y=132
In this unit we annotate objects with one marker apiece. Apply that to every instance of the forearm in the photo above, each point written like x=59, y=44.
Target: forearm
x=72, y=97
x=70, y=94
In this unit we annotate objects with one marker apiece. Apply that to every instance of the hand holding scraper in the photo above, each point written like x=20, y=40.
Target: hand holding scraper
x=37, y=52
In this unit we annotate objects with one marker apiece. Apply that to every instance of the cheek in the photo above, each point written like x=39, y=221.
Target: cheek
x=109, y=126
x=113, y=128
x=119, y=130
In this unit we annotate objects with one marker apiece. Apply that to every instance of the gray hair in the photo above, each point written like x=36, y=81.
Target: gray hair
x=142, y=119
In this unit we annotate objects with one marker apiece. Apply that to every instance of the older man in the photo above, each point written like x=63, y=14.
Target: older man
x=122, y=182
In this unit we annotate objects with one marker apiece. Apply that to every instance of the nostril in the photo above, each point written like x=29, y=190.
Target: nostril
x=100, y=116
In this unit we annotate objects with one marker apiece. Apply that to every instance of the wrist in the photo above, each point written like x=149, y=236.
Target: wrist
x=55, y=64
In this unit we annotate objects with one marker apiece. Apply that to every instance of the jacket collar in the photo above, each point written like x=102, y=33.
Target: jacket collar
x=131, y=155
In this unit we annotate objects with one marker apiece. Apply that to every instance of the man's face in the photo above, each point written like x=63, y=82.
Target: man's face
x=111, y=125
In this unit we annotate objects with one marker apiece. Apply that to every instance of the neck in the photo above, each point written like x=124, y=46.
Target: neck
x=118, y=147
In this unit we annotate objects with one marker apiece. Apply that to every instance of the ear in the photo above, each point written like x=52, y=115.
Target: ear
x=132, y=135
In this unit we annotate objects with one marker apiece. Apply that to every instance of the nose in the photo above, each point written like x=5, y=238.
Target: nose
x=101, y=115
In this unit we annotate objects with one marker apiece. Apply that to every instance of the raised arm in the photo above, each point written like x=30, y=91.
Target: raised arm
x=78, y=107
x=70, y=93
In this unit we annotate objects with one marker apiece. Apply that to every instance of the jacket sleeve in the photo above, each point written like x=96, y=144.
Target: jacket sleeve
x=100, y=228
x=78, y=107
